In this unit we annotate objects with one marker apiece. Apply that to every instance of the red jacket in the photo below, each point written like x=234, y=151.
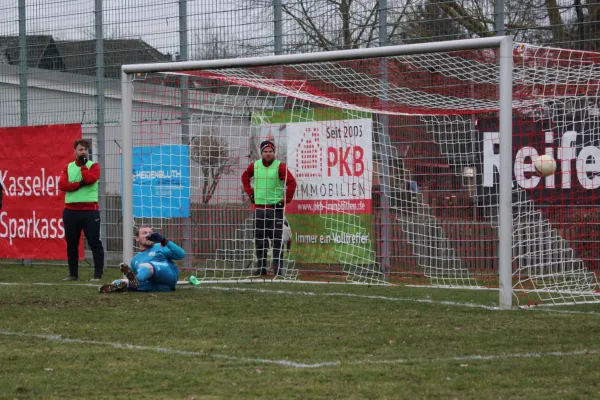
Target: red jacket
x=89, y=176
x=284, y=175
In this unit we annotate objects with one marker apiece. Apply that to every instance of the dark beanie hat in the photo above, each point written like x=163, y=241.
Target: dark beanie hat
x=265, y=144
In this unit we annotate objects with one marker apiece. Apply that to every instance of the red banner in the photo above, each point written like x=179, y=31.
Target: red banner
x=31, y=160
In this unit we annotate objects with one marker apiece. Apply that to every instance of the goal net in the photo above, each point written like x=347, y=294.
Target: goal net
x=396, y=161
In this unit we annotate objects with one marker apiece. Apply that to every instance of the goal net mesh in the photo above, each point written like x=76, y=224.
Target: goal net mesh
x=396, y=164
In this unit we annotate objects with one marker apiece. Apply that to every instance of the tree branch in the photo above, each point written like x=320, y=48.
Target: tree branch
x=308, y=27
x=556, y=22
x=473, y=25
x=372, y=25
x=398, y=20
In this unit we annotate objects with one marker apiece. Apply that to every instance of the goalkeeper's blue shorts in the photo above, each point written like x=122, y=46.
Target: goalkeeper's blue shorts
x=164, y=278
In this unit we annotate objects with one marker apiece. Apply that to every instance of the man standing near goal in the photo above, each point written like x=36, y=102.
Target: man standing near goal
x=274, y=187
x=152, y=269
x=79, y=180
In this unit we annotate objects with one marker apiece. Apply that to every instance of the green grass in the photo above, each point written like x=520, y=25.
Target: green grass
x=61, y=341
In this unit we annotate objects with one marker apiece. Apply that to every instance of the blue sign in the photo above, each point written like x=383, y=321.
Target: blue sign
x=161, y=181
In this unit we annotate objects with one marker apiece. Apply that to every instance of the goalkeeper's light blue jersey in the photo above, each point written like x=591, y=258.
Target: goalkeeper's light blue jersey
x=158, y=256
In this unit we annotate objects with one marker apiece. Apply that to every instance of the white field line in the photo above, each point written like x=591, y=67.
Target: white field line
x=305, y=293
x=287, y=292
x=387, y=298
x=292, y=364
x=481, y=357
x=201, y=353
x=47, y=284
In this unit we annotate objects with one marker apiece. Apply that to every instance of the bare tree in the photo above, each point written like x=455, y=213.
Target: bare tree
x=211, y=152
x=311, y=25
x=437, y=20
x=210, y=45
x=321, y=25
x=560, y=23
x=583, y=25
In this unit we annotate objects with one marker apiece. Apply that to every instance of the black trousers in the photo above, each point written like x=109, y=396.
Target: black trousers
x=89, y=221
x=268, y=224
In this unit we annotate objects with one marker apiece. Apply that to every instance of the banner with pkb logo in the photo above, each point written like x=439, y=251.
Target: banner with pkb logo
x=333, y=165
x=330, y=154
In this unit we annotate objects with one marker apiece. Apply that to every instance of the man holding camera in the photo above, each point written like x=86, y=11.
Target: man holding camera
x=79, y=180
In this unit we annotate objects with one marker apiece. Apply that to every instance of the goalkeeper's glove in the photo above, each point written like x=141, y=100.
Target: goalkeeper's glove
x=82, y=183
x=281, y=204
x=82, y=159
x=252, y=198
x=157, y=238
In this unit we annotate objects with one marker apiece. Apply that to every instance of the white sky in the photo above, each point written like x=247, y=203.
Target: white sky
x=155, y=21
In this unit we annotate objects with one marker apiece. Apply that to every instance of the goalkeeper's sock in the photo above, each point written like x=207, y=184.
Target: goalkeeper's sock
x=143, y=274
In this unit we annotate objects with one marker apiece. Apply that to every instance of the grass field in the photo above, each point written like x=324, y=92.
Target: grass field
x=285, y=341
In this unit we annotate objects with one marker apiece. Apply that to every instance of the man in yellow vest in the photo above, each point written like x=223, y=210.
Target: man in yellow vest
x=274, y=187
x=79, y=179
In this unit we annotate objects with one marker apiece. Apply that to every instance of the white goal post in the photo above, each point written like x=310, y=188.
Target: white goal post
x=420, y=107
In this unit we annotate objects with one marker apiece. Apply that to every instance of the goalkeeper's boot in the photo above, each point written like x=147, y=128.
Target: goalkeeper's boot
x=117, y=286
x=131, y=276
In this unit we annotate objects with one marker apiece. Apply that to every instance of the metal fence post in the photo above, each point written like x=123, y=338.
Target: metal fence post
x=385, y=147
x=100, y=116
x=185, y=114
x=23, y=71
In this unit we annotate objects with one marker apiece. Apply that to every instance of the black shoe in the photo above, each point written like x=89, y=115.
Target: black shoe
x=278, y=271
x=70, y=278
x=131, y=276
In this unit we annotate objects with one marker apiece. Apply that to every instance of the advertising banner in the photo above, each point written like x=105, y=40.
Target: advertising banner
x=333, y=164
x=330, y=155
x=161, y=181
x=31, y=160
x=574, y=145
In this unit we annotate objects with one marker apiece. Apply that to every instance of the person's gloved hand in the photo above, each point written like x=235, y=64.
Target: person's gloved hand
x=157, y=238
x=82, y=159
x=82, y=183
x=252, y=198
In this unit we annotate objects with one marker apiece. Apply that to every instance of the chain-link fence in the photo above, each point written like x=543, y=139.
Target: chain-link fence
x=60, y=60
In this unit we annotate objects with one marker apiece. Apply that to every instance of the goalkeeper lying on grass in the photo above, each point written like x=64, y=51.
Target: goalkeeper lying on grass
x=152, y=269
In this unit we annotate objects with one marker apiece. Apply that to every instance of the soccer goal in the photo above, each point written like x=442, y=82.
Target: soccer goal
x=414, y=164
